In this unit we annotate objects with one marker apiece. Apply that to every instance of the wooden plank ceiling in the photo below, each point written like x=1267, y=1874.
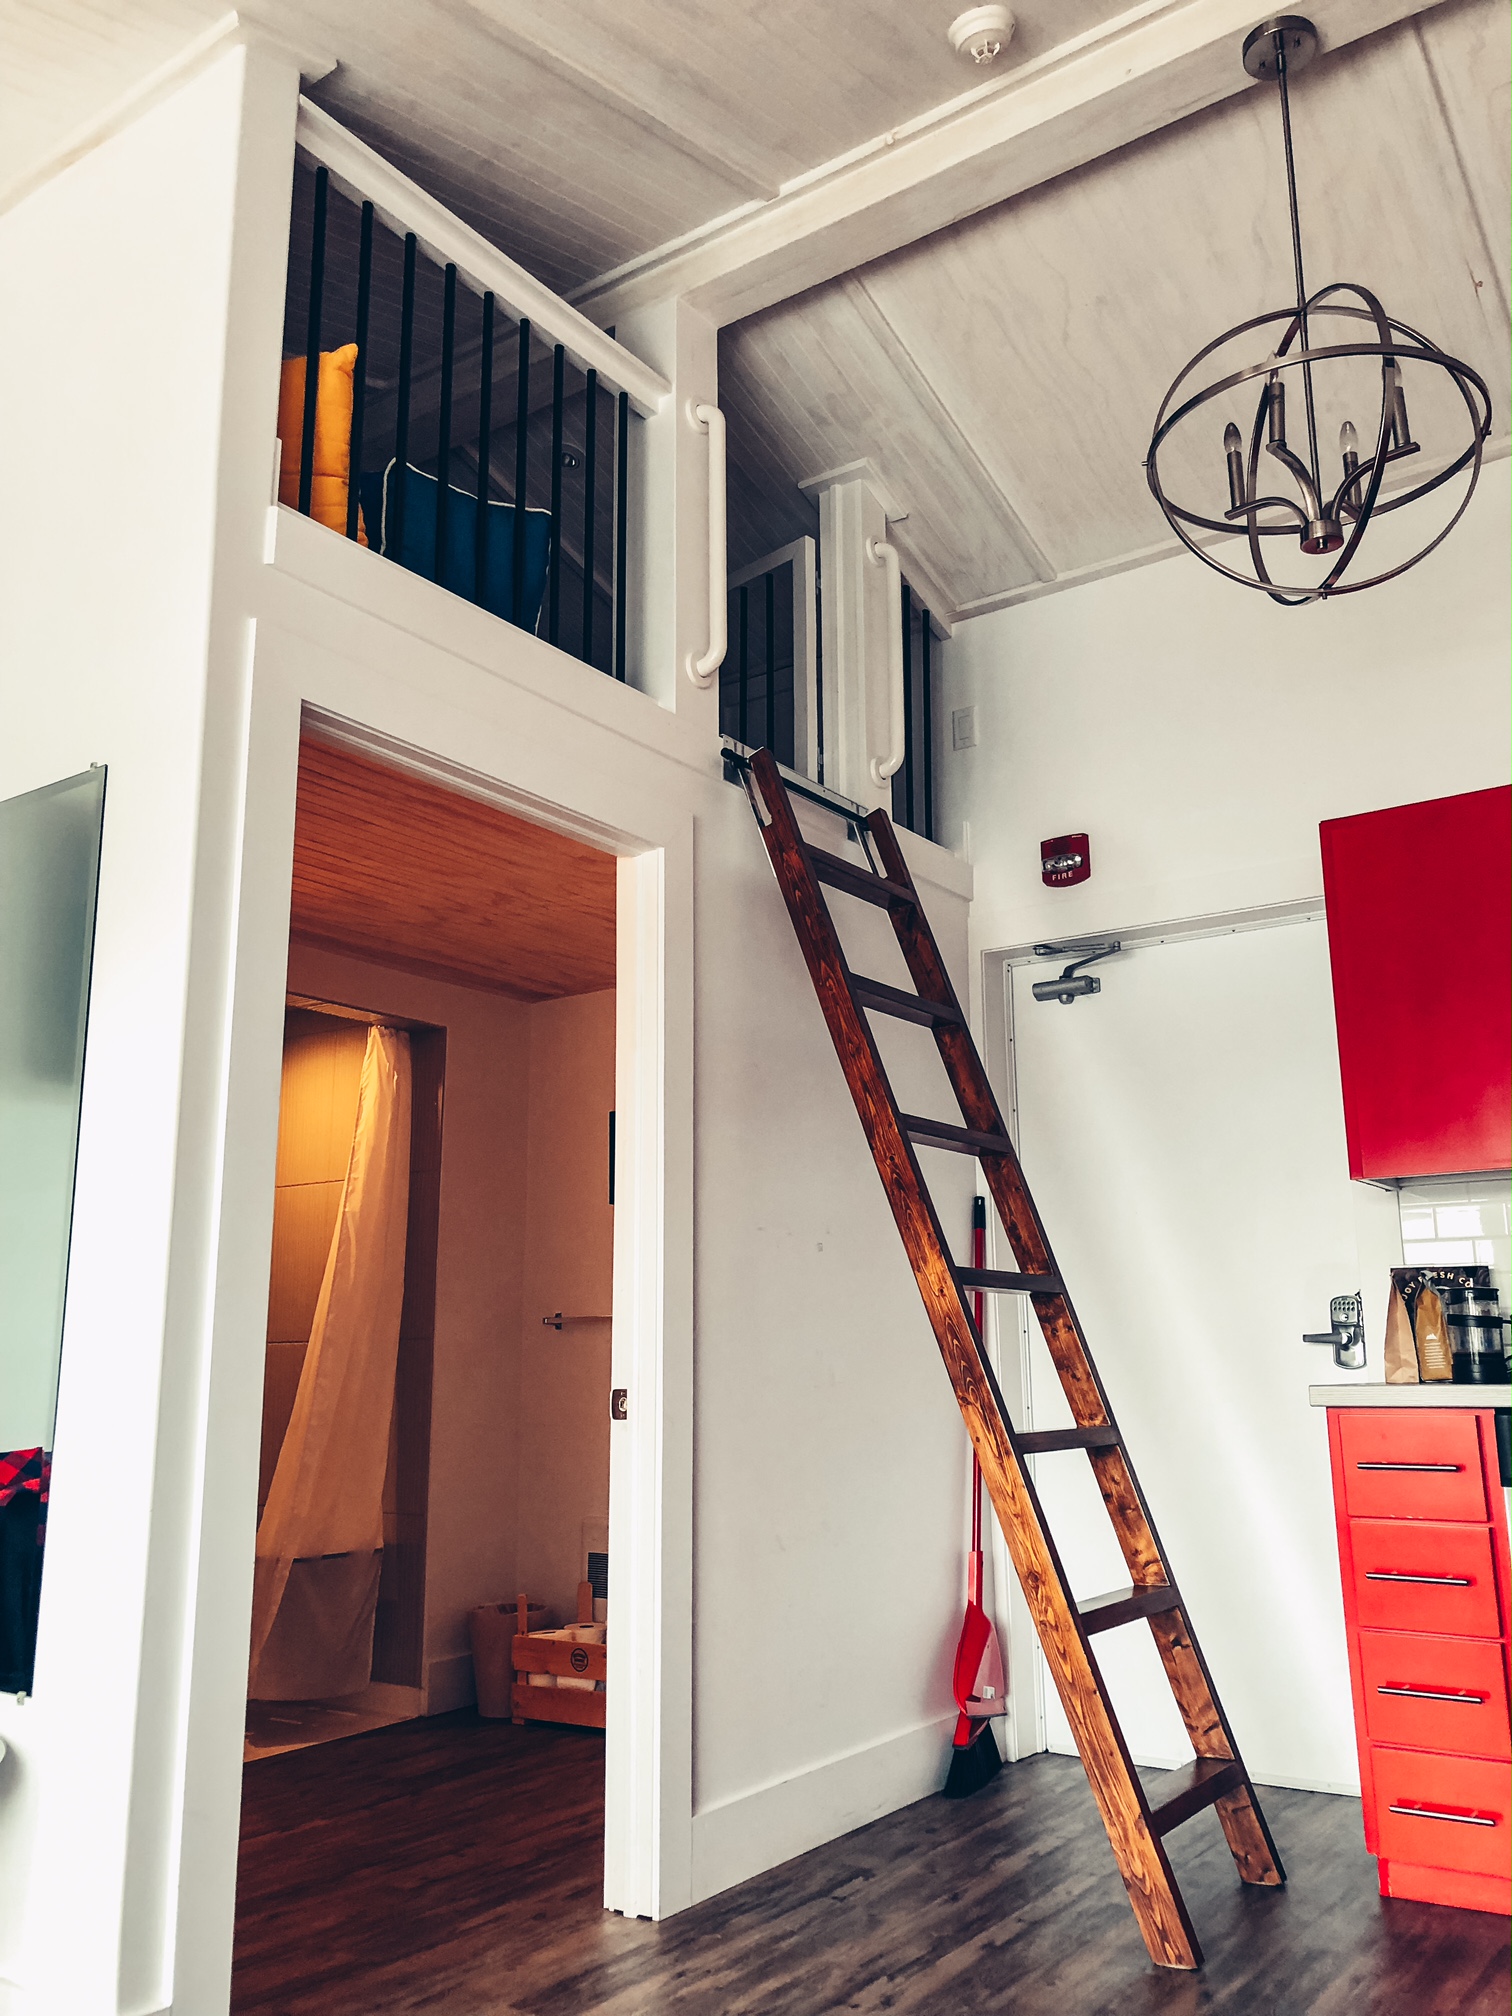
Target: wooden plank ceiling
x=576, y=138
x=1003, y=375
x=397, y=870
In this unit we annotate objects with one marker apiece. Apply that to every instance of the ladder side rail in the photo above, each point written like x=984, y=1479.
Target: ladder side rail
x=1191, y=1684
x=1138, y=1848
x=1063, y=1333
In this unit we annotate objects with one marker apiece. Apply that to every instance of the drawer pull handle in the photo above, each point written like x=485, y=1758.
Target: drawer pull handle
x=1446, y=1467
x=1413, y=1811
x=1440, y=1581
x=1459, y=1694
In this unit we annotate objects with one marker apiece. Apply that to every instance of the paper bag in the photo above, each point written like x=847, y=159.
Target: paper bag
x=1400, y=1350
x=1435, y=1362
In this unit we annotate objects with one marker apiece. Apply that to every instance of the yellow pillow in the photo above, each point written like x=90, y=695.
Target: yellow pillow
x=333, y=436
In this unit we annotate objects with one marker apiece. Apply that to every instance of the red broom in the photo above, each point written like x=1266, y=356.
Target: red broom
x=977, y=1680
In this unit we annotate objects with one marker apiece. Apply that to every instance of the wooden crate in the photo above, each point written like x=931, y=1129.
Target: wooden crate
x=534, y=1652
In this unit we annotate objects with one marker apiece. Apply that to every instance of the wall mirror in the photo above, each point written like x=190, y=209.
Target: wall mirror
x=49, y=873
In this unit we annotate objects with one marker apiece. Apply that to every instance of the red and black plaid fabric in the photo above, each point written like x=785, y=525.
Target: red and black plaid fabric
x=24, y=1470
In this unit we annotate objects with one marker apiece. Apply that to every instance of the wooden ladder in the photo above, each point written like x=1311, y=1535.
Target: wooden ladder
x=1216, y=1777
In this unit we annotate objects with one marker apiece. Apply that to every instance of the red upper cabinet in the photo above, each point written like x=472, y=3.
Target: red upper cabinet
x=1419, y=901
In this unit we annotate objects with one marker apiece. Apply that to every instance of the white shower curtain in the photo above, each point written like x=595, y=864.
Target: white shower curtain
x=320, y=1538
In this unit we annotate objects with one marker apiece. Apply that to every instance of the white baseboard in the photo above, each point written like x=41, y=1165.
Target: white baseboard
x=384, y=1697
x=757, y=1830
x=1340, y=1788
x=1344, y=1790
x=449, y=1684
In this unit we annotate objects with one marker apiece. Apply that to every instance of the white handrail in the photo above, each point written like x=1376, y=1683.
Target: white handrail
x=703, y=671
x=882, y=554
x=362, y=174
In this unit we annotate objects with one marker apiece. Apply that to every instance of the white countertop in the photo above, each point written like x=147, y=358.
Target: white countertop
x=1434, y=1393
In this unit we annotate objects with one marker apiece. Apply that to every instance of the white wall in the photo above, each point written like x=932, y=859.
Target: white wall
x=826, y=1459
x=1198, y=734
x=122, y=323
x=564, y=1375
x=814, y=1474
x=472, y=1537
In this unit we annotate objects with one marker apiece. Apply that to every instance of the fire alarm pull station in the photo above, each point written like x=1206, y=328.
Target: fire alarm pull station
x=1065, y=860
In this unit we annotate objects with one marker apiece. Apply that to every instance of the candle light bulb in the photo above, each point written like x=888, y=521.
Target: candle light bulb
x=1233, y=455
x=1349, y=441
x=1277, y=414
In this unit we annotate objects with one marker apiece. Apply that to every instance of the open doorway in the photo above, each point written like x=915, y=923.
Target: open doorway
x=437, y=1394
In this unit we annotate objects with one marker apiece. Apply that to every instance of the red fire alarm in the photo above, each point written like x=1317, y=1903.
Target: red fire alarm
x=1065, y=860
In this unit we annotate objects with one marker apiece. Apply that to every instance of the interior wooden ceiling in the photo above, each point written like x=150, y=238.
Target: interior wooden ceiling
x=398, y=870
x=574, y=137
x=1003, y=375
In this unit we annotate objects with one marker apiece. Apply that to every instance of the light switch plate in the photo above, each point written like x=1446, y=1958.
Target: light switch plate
x=963, y=728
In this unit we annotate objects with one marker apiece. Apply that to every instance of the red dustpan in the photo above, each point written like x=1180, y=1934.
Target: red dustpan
x=977, y=1680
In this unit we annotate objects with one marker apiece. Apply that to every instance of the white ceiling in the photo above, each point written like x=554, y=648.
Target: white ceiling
x=1002, y=373
x=576, y=137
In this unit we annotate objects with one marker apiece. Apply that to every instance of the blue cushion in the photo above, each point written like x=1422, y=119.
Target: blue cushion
x=417, y=548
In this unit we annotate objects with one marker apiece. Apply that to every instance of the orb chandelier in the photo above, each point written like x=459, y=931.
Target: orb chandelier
x=1325, y=354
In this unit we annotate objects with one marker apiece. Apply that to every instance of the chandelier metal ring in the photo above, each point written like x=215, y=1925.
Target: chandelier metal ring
x=1316, y=515
x=1402, y=343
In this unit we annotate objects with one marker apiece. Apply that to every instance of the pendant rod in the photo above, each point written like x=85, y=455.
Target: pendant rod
x=1296, y=233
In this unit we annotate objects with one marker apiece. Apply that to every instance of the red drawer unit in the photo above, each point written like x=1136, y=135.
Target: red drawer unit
x=1410, y=1464
x=1425, y=1693
x=1423, y=1552
x=1424, y=1575
x=1424, y=1061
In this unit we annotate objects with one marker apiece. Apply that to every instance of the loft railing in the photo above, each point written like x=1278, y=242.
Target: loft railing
x=913, y=784
x=770, y=690
x=489, y=431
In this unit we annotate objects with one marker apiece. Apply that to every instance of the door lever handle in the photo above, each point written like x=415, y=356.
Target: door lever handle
x=1347, y=1334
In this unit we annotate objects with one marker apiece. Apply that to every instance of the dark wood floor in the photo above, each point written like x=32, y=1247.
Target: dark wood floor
x=454, y=1866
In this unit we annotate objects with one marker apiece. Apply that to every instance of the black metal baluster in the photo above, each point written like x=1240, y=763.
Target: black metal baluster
x=312, y=342
x=928, y=705
x=771, y=662
x=522, y=472
x=621, y=530
x=908, y=731
x=359, y=372
x=554, y=606
x=590, y=505
x=485, y=452
x=444, y=420
x=393, y=530
x=744, y=662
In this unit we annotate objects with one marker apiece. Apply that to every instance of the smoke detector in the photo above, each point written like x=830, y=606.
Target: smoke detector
x=982, y=33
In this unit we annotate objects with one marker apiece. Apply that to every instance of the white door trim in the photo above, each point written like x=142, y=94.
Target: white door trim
x=648, y=1827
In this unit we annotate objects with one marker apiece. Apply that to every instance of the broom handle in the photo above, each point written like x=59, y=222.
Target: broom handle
x=978, y=1259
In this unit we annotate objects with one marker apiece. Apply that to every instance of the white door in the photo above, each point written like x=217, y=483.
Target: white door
x=1183, y=1134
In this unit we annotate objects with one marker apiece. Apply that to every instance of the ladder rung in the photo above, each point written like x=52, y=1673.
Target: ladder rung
x=1122, y=1606
x=997, y=1283
x=1193, y=1788
x=1049, y=1440
x=964, y=1140
x=855, y=881
x=896, y=1001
